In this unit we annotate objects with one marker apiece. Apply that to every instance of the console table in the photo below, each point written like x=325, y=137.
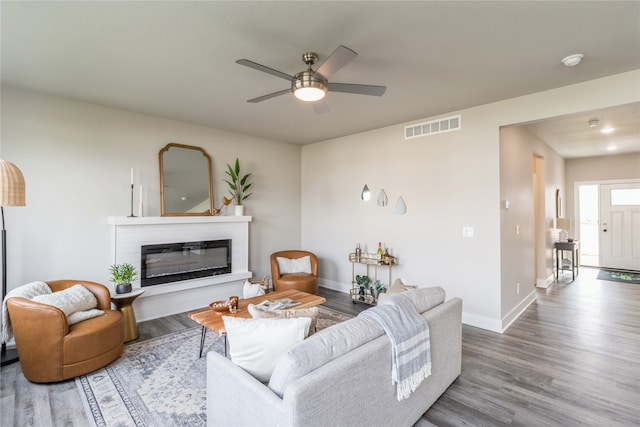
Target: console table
x=574, y=248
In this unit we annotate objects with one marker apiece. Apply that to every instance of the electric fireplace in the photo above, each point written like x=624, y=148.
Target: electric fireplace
x=173, y=262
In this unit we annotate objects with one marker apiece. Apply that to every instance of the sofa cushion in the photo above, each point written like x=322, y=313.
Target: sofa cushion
x=261, y=313
x=321, y=348
x=296, y=265
x=256, y=345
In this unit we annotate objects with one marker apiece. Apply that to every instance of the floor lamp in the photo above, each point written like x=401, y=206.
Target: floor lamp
x=11, y=194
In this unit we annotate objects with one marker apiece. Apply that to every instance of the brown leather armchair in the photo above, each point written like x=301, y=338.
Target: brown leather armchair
x=50, y=350
x=300, y=281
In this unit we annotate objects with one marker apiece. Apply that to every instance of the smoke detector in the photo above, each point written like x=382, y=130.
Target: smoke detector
x=572, y=60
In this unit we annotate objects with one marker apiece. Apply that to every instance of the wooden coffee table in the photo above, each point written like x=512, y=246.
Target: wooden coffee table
x=212, y=320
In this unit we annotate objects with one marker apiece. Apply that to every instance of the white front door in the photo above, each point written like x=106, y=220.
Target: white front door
x=620, y=226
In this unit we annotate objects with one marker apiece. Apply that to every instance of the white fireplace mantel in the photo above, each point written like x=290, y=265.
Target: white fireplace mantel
x=129, y=234
x=152, y=220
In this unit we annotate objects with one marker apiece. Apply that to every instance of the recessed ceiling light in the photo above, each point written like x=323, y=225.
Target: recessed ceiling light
x=612, y=148
x=608, y=129
x=572, y=60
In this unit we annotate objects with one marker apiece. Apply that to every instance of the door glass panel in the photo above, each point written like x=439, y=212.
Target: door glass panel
x=625, y=197
x=589, y=225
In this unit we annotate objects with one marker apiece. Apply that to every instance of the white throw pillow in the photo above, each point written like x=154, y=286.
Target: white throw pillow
x=70, y=300
x=261, y=313
x=252, y=289
x=296, y=265
x=256, y=345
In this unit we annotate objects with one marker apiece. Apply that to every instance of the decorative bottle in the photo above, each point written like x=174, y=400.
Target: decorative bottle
x=358, y=252
x=380, y=253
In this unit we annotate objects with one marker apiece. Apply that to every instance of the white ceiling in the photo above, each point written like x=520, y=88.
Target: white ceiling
x=177, y=59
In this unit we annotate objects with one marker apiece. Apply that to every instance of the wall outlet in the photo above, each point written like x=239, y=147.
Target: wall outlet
x=518, y=288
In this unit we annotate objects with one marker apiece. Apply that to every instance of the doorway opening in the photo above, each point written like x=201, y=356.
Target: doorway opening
x=608, y=214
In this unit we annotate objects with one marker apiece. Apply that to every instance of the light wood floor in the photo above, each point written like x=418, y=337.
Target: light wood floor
x=572, y=359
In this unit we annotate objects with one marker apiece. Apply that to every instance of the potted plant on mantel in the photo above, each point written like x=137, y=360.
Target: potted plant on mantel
x=238, y=186
x=122, y=275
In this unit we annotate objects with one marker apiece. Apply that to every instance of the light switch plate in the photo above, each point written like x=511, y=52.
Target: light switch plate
x=467, y=231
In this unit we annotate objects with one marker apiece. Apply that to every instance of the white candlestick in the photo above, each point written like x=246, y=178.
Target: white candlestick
x=131, y=176
x=140, y=207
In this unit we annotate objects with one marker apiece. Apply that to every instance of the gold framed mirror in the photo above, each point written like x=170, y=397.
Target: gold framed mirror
x=186, y=185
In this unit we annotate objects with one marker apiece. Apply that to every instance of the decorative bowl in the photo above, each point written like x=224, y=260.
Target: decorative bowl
x=220, y=306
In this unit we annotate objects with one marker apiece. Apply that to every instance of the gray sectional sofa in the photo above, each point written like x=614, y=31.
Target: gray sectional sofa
x=340, y=376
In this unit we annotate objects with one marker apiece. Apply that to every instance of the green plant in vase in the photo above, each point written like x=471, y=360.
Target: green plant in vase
x=122, y=275
x=377, y=288
x=238, y=185
x=363, y=283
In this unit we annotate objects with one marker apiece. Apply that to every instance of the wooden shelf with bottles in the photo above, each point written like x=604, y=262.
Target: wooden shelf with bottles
x=370, y=262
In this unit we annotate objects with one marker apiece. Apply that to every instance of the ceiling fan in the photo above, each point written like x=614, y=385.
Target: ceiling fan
x=312, y=86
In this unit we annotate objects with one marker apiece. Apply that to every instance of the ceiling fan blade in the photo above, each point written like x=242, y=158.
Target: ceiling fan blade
x=264, y=69
x=269, y=96
x=338, y=59
x=357, y=89
x=320, y=106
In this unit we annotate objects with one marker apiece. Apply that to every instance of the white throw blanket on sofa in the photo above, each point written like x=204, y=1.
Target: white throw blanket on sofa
x=410, y=342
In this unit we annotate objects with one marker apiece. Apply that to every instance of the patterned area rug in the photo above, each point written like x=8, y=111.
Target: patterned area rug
x=619, y=276
x=159, y=382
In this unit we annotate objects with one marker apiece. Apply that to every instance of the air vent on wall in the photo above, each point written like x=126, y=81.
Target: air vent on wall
x=447, y=124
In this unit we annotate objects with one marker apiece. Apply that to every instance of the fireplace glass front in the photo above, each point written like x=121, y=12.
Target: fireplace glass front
x=173, y=262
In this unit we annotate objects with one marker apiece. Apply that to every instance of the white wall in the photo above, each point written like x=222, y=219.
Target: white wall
x=448, y=181
x=518, y=146
x=76, y=158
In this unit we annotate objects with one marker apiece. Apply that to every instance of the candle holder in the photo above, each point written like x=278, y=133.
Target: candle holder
x=132, y=215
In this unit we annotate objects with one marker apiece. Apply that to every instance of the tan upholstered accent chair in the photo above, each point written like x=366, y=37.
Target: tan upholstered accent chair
x=50, y=350
x=300, y=281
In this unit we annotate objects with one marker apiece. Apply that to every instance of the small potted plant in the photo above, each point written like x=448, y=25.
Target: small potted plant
x=238, y=186
x=122, y=275
x=377, y=288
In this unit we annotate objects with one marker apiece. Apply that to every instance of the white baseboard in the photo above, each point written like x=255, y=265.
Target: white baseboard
x=481, y=322
x=545, y=283
x=336, y=286
x=513, y=315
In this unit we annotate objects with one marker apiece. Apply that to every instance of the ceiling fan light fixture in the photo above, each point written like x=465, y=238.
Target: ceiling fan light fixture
x=309, y=94
x=308, y=87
